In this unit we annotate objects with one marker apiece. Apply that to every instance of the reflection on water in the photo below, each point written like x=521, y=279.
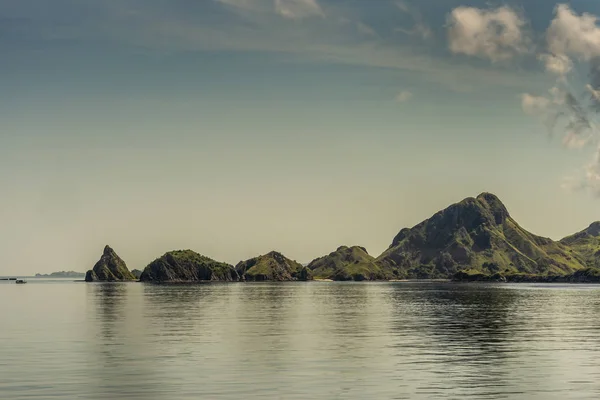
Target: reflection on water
x=299, y=341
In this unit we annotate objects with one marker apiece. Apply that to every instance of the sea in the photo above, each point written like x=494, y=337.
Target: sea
x=62, y=339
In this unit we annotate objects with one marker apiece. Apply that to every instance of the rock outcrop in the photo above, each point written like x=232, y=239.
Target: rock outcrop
x=110, y=268
x=187, y=266
x=273, y=266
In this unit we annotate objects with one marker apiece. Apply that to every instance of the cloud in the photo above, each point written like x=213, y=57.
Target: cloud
x=298, y=9
x=589, y=180
x=495, y=34
x=404, y=96
x=556, y=64
x=420, y=28
x=534, y=105
x=593, y=174
x=572, y=34
x=573, y=140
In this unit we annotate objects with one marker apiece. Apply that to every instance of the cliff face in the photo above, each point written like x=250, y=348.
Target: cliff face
x=273, y=266
x=110, y=268
x=187, y=266
x=349, y=263
x=476, y=234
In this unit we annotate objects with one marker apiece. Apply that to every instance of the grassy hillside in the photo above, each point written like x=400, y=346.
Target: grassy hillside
x=587, y=244
x=477, y=235
x=348, y=263
x=187, y=266
x=273, y=266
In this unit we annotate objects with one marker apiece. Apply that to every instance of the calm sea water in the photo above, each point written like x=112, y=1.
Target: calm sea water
x=67, y=340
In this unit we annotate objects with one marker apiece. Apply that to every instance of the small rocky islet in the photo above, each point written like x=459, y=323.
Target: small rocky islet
x=473, y=240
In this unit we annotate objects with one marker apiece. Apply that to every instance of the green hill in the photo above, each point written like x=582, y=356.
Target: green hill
x=187, y=266
x=587, y=244
x=476, y=235
x=348, y=263
x=273, y=266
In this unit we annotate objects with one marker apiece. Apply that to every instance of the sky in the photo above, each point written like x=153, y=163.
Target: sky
x=237, y=127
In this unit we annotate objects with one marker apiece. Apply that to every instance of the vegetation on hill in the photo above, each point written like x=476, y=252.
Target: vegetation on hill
x=587, y=244
x=273, y=266
x=478, y=235
x=187, y=266
x=348, y=263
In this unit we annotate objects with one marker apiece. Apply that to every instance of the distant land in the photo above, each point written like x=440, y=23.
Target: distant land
x=475, y=239
x=62, y=274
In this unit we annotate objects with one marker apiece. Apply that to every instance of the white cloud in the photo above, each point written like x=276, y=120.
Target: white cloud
x=572, y=34
x=558, y=64
x=298, y=9
x=496, y=34
x=404, y=96
x=534, y=105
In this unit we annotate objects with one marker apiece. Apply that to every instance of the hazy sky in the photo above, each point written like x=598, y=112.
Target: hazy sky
x=235, y=127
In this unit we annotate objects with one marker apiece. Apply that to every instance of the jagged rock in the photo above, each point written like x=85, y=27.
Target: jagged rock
x=110, y=268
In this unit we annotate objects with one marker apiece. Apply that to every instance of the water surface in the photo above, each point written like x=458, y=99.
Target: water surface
x=66, y=340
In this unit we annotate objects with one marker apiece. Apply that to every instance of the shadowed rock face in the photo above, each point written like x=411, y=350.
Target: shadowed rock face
x=187, y=266
x=348, y=263
x=137, y=273
x=273, y=266
x=110, y=268
x=475, y=234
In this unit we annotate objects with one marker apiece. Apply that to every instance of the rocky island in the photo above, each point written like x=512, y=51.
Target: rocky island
x=475, y=239
x=347, y=264
x=187, y=266
x=110, y=268
x=273, y=266
x=478, y=238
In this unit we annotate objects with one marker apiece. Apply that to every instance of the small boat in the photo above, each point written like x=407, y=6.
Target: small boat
x=20, y=281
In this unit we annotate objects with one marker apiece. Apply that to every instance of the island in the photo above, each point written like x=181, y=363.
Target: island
x=273, y=266
x=349, y=264
x=475, y=239
x=62, y=274
x=187, y=266
x=110, y=268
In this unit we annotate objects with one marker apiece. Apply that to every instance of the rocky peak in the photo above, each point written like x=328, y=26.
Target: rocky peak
x=110, y=268
x=594, y=229
x=108, y=252
x=495, y=206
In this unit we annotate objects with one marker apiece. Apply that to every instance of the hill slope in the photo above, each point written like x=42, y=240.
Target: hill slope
x=587, y=244
x=187, y=266
x=273, y=266
x=476, y=234
x=348, y=263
